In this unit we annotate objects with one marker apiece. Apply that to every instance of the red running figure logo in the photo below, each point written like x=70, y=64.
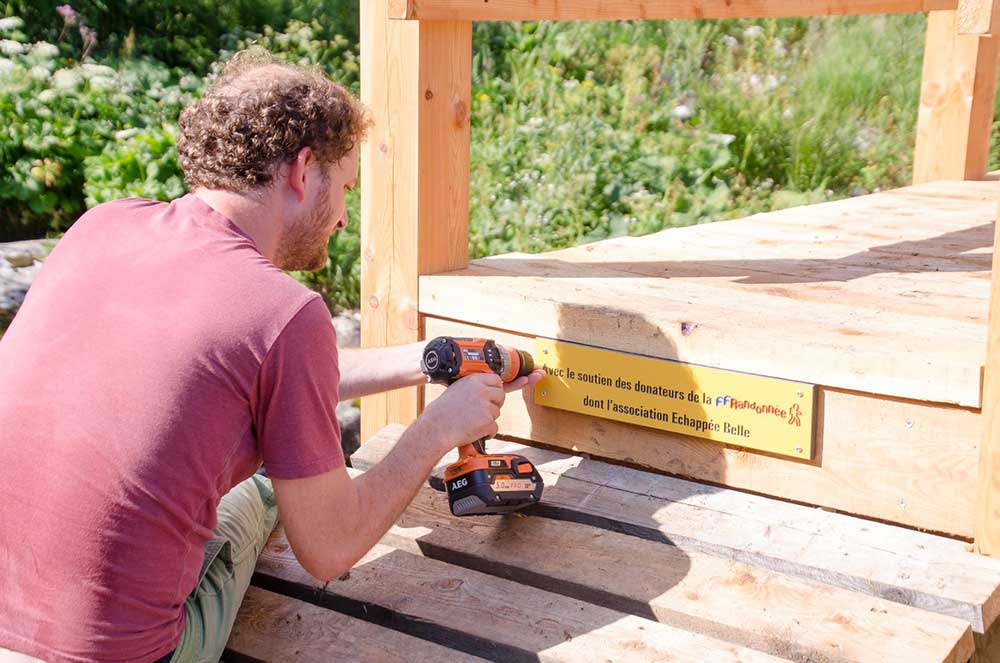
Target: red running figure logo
x=796, y=415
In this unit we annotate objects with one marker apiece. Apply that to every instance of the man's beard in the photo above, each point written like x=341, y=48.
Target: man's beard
x=303, y=244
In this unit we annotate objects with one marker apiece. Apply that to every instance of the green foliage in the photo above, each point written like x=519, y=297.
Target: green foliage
x=140, y=163
x=74, y=136
x=180, y=33
x=588, y=130
x=300, y=43
x=55, y=113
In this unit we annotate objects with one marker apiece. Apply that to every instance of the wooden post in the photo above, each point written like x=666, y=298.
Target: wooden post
x=957, y=92
x=988, y=502
x=416, y=81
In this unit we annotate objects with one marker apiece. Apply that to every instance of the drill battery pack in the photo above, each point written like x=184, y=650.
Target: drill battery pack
x=492, y=484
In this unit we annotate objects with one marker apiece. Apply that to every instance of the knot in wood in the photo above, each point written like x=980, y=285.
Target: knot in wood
x=448, y=584
x=428, y=95
x=461, y=113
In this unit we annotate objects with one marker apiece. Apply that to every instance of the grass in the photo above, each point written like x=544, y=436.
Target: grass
x=585, y=130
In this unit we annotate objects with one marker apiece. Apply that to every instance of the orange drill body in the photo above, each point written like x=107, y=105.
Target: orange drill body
x=481, y=483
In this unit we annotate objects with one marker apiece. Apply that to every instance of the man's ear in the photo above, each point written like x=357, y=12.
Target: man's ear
x=297, y=170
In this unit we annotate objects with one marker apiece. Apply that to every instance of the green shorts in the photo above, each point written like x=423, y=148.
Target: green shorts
x=246, y=517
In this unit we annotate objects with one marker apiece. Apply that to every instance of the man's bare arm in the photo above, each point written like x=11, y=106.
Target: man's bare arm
x=366, y=371
x=331, y=521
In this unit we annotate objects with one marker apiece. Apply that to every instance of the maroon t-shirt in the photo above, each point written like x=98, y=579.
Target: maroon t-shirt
x=157, y=360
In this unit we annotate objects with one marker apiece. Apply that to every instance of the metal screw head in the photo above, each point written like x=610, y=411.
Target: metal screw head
x=799, y=394
x=909, y=423
x=545, y=351
x=798, y=450
x=545, y=393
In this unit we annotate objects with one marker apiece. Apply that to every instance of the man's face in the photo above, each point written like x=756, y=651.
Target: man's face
x=304, y=240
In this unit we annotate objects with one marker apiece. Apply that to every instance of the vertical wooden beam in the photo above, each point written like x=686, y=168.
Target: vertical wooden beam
x=988, y=502
x=957, y=93
x=416, y=81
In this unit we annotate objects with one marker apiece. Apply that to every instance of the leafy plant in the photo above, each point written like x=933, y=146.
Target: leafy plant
x=589, y=130
x=180, y=33
x=140, y=163
x=302, y=44
x=55, y=113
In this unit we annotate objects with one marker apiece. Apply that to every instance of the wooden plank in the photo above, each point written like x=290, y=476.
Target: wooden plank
x=911, y=257
x=782, y=306
x=921, y=570
x=883, y=293
x=840, y=347
x=503, y=620
x=988, y=502
x=975, y=17
x=957, y=94
x=416, y=80
x=559, y=10
x=875, y=286
x=922, y=457
x=987, y=646
x=271, y=627
x=765, y=610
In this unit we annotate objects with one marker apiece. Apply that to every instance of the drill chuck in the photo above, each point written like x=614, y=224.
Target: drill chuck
x=446, y=359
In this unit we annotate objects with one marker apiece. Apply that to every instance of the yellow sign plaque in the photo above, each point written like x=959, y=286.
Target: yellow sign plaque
x=742, y=409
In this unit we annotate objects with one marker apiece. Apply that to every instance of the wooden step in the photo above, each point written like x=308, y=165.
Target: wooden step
x=902, y=461
x=799, y=619
x=484, y=615
x=616, y=565
x=622, y=565
x=932, y=573
x=272, y=627
x=854, y=294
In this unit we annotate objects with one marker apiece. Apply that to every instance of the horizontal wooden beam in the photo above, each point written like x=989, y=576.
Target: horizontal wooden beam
x=570, y=10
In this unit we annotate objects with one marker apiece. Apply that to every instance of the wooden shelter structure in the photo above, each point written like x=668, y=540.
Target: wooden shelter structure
x=680, y=548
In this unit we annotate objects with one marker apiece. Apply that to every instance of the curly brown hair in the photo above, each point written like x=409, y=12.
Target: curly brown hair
x=258, y=115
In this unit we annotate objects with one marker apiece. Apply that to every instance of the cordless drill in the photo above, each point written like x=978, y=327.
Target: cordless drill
x=480, y=483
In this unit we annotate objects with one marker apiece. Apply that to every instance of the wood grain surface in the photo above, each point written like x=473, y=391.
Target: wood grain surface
x=556, y=10
x=929, y=572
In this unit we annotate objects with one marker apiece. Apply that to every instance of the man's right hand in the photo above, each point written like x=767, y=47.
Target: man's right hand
x=466, y=411
x=332, y=521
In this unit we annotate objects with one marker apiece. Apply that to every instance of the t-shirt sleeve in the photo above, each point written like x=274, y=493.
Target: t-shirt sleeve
x=295, y=415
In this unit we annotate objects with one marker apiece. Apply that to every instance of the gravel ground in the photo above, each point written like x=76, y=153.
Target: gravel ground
x=20, y=262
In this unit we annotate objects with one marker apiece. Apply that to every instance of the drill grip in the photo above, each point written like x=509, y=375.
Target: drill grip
x=477, y=448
